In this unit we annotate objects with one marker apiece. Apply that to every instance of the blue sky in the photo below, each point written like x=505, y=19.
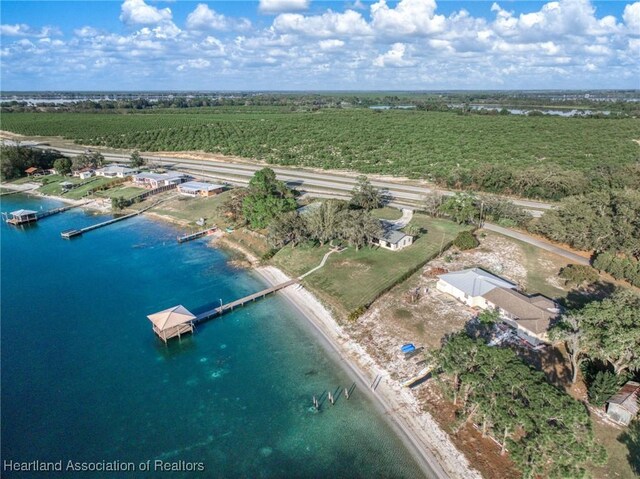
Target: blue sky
x=311, y=44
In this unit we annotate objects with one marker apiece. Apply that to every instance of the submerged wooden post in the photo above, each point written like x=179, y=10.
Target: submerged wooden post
x=346, y=393
x=331, y=398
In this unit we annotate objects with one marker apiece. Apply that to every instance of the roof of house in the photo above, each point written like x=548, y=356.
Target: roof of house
x=475, y=281
x=160, y=176
x=23, y=212
x=32, y=169
x=171, y=317
x=116, y=168
x=627, y=397
x=197, y=185
x=392, y=236
x=532, y=313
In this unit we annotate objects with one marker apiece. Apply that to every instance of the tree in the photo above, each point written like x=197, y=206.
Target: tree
x=62, y=166
x=364, y=195
x=604, y=385
x=323, y=222
x=359, y=228
x=489, y=316
x=260, y=210
x=412, y=229
x=465, y=240
x=608, y=330
x=579, y=274
x=136, y=161
x=119, y=203
x=288, y=228
x=14, y=160
x=232, y=206
x=432, y=203
x=461, y=208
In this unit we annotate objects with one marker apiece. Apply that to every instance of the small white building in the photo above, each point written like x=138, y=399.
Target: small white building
x=197, y=188
x=623, y=406
x=156, y=180
x=115, y=170
x=394, y=240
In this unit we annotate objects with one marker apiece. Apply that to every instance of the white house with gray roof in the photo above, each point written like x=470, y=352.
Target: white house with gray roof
x=115, y=170
x=470, y=285
x=394, y=240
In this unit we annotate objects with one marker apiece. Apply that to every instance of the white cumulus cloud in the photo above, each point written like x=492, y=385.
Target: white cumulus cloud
x=395, y=57
x=204, y=18
x=409, y=17
x=137, y=12
x=631, y=17
x=280, y=6
x=350, y=23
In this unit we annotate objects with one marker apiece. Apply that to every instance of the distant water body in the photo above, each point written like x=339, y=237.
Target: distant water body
x=84, y=378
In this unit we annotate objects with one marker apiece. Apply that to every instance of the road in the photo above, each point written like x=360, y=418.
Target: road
x=331, y=185
x=574, y=258
x=240, y=173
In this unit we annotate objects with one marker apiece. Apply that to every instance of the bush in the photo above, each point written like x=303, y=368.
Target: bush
x=356, y=313
x=604, y=385
x=465, y=240
x=579, y=274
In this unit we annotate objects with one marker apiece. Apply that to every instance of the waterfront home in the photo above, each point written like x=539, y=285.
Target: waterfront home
x=622, y=407
x=19, y=217
x=196, y=188
x=172, y=322
x=470, y=285
x=393, y=240
x=157, y=180
x=84, y=173
x=115, y=170
x=530, y=316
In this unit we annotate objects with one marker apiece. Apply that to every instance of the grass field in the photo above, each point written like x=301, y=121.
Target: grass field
x=126, y=192
x=192, y=209
x=355, y=278
x=443, y=147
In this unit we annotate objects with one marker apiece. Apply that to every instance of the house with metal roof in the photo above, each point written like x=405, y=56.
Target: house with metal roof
x=19, y=217
x=157, y=180
x=622, y=407
x=470, y=285
x=115, y=170
x=394, y=240
x=197, y=188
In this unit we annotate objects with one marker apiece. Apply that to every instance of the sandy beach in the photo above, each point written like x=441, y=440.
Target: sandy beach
x=430, y=445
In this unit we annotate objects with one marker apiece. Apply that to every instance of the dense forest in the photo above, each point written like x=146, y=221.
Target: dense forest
x=532, y=156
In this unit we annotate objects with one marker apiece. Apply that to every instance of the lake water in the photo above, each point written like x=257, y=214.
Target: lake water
x=85, y=379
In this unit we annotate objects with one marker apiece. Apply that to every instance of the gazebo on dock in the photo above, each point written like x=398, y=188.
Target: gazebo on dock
x=19, y=217
x=172, y=322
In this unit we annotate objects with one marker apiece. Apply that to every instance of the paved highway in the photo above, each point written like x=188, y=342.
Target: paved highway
x=296, y=177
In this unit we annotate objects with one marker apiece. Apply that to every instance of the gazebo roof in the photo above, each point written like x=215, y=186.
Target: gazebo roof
x=171, y=317
x=23, y=212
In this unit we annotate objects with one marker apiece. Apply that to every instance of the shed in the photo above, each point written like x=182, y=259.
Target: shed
x=31, y=171
x=172, y=322
x=622, y=407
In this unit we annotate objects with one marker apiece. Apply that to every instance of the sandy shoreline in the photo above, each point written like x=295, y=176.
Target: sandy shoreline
x=429, y=444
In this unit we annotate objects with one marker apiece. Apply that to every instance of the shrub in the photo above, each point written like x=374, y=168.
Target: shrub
x=465, y=240
x=604, y=385
x=579, y=274
x=356, y=313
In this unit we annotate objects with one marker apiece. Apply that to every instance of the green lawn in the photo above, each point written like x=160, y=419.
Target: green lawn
x=191, y=209
x=123, y=191
x=355, y=278
x=387, y=213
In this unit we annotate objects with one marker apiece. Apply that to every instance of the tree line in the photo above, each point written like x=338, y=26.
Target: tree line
x=14, y=160
x=546, y=432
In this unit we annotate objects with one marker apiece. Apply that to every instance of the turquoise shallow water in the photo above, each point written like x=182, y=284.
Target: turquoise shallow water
x=85, y=379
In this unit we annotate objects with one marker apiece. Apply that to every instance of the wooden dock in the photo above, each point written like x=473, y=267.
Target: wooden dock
x=67, y=234
x=196, y=235
x=242, y=301
x=33, y=216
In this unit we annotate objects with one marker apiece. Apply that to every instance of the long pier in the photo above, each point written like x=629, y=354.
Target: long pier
x=220, y=310
x=196, y=235
x=67, y=234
